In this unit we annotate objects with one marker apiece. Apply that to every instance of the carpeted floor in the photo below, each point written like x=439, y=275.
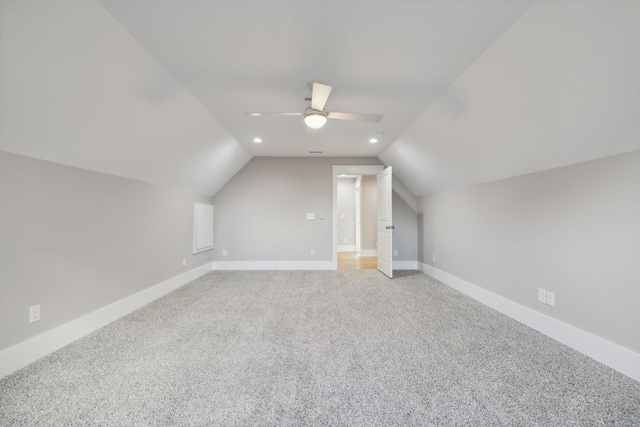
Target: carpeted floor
x=317, y=348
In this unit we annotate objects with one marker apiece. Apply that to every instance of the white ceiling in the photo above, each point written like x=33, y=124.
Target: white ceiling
x=471, y=90
x=78, y=89
x=559, y=87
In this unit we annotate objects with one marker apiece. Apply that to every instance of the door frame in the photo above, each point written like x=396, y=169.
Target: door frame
x=347, y=170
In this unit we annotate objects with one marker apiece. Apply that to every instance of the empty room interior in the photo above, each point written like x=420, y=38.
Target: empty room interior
x=320, y=213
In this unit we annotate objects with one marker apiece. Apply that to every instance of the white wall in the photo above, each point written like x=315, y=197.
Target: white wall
x=368, y=213
x=369, y=209
x=346, y=199
x=75, y=241
x=574, y=231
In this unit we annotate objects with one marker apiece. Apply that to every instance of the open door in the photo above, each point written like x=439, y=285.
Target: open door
x=385, y=224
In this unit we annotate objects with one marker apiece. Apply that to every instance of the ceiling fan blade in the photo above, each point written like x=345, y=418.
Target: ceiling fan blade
x=272, y=114
x=373, y=118
x=319, y=95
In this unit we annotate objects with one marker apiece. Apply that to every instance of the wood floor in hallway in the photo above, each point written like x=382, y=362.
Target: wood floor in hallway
x=353, y=261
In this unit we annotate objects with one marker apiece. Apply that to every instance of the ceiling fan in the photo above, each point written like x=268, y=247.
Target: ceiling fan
x=315, y=115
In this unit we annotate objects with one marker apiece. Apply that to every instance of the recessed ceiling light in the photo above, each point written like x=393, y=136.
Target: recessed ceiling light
x=254, y=114
x=373, y=140
x=257, y=140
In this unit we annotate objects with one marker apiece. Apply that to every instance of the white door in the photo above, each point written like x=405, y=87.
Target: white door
x=385, y=224
x=358, y=214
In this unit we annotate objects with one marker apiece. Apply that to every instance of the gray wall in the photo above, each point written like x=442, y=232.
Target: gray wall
x=260, y=212
x=74, y=241
x=405, y=234
x=574, y=231
x=346, y=211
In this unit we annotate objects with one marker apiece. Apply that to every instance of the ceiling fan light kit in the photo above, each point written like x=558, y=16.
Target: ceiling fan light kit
x=315, y=119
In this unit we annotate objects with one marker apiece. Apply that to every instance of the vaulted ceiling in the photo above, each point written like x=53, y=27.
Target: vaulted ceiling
x=471, y=90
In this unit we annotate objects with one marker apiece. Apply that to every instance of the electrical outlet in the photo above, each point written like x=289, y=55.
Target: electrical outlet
x=34, y=313
x=321, y=215
x=313, y=252
x=434, y=258
x=395, y=252
x=184, y=262
x=224, y=252
x=542, y=295
x=551, y=298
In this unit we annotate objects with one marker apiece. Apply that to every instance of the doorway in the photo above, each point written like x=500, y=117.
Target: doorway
x=357, y=204
x=355, y=217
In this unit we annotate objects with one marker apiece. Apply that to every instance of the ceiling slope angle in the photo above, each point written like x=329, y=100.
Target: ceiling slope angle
x=78, y=89
x=392, y=58
x=559, y=87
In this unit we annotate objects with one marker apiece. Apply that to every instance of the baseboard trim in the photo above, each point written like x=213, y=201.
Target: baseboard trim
x=27, y=352
x=346, y=248
x=619, y=358
x=405, y=265
x=273, y=265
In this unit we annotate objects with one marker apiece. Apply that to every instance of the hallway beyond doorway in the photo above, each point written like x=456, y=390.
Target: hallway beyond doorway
x=353, y=261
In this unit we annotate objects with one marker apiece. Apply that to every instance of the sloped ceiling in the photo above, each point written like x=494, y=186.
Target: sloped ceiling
x=76, y=88
x=471, y=90
x=559, y=87
x=384, y=57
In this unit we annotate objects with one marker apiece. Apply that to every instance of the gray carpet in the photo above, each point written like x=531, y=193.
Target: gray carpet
x=317, y=348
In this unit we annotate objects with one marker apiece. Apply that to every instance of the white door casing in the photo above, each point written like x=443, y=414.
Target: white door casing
x=349, y=170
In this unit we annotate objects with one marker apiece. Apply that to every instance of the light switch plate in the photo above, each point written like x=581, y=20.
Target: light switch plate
x=542, y=295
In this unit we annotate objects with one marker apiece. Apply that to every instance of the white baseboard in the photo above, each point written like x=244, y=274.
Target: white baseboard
x=274, y=265
x=405, y=265
x=296, y=265
x=621, y=359
x=346, y=248
x=26, y=352
x=369, y=252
